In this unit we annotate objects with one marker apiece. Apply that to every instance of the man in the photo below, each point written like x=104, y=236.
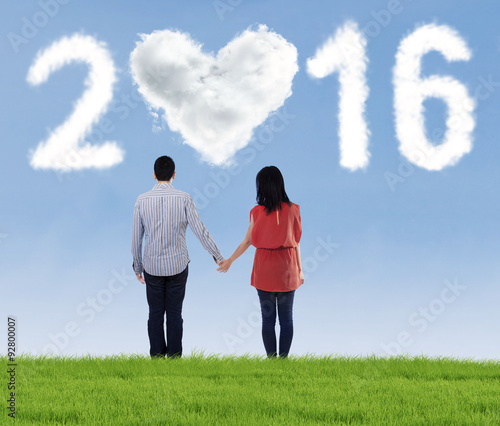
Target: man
x=163, y=214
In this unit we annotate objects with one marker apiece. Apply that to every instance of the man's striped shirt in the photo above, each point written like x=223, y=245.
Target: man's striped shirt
x=162, y=216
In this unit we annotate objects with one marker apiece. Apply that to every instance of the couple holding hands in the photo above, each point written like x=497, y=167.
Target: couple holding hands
x=162, y=216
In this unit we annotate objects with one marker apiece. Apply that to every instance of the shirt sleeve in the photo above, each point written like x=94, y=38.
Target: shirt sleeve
x=297, y=226
x=253, y=213
x=137, y=236
x=201, y=231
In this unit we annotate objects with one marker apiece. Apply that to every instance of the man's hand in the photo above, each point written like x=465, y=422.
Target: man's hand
x=301, y=276
x=140, y=278
x=224, y=265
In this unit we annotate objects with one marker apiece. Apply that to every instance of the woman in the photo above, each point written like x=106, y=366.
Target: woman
x=275, y=231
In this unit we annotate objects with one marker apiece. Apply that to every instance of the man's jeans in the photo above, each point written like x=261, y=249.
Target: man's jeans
x=165, y=295
x=268, y=303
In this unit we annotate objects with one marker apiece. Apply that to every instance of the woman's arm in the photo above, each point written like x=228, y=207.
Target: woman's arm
x=299, y=262
x=242, y=248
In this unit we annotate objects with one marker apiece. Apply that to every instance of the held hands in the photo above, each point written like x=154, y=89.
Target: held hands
x=224, y=265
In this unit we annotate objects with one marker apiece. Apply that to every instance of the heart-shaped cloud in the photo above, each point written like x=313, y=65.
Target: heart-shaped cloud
x=215, y=102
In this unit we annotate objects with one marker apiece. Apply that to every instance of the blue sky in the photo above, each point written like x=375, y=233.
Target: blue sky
x=405, y=269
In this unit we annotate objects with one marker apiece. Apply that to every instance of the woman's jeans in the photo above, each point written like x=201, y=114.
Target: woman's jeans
x=165, y=296
x=269, y=301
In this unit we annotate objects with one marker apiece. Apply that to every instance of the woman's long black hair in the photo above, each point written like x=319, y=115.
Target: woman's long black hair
x=271, y=189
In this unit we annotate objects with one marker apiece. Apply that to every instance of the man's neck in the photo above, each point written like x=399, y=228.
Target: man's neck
x=164, y=181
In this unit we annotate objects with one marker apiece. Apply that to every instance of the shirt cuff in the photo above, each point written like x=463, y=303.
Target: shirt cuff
x=218, y=257
x=138, y=270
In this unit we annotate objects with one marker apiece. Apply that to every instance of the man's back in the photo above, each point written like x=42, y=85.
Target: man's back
x=162, y=216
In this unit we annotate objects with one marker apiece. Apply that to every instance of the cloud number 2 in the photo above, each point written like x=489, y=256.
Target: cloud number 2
x=66, y=148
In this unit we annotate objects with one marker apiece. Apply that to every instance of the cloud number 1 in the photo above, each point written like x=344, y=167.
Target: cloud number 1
x=345, y=53
x=66, y=148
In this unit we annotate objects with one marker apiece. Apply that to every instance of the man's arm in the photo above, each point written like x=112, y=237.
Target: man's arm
x=137, y=235
x=201, y=231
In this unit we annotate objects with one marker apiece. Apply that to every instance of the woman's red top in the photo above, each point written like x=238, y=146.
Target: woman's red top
x=275, y=266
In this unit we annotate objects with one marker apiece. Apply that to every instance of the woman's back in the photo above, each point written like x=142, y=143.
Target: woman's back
x=279, y=229
x=275, y=236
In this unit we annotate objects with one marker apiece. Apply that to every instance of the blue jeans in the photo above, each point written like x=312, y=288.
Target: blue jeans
x=269, y=301
x=165, y=295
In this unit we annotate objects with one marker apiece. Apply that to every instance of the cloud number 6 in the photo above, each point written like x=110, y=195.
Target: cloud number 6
x=410, y=91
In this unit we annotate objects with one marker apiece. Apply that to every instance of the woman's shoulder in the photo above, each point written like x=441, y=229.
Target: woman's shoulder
x=295, y=211
x=256, y=209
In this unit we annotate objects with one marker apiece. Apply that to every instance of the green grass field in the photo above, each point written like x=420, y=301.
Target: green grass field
x=198, y=389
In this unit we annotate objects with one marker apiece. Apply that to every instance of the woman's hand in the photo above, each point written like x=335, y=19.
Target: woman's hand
x=224, y=265
x=301, y=276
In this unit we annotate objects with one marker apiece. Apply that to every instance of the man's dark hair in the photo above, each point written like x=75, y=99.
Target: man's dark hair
x=271, y=189
x=164, y=168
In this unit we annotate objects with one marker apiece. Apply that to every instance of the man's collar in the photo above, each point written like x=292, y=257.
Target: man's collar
x=163, y=185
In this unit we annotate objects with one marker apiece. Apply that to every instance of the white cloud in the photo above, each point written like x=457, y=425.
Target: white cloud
x=345, y=53
x=215, y=102
x=65, y=149
x=410, y=91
